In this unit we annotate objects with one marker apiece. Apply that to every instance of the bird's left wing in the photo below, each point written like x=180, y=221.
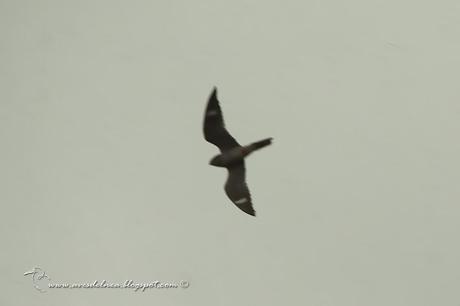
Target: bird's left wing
x=214, y=127
x=237, y=189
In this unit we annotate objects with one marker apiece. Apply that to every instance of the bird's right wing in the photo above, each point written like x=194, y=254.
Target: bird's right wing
x=237, y=189
x=214, y=127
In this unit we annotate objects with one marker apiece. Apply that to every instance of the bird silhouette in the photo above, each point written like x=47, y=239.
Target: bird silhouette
x=232, y=154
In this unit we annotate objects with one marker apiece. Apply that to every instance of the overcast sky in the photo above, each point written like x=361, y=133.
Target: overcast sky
x=105, y=175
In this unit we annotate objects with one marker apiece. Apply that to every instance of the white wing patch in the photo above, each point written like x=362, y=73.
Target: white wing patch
x=241, y=201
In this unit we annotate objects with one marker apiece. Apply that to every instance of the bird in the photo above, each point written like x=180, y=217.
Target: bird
x=232, y=154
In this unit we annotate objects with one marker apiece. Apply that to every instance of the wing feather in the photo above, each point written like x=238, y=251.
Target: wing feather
x=214, y=127
x=237, y=189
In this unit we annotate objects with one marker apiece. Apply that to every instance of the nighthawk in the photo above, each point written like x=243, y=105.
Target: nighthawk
x=231, y=156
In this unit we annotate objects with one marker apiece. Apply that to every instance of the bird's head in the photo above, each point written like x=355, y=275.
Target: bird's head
x=217, y=161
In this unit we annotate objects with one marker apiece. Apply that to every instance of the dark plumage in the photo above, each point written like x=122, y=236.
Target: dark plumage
x=232, y=155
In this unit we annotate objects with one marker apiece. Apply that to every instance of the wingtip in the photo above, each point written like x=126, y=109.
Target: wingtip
x=247, y=210
x=214, y=91
x=251, y=212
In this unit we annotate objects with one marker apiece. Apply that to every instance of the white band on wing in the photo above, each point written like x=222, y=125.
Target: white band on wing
x=241, y=201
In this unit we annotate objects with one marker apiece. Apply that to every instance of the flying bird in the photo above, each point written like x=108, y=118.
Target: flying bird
x=231, y=156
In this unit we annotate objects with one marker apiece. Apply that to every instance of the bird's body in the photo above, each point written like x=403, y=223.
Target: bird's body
x=232, y=155
x=237, y=154
x=229, y=157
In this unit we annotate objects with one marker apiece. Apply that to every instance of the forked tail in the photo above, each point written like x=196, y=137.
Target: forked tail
x=260, y=144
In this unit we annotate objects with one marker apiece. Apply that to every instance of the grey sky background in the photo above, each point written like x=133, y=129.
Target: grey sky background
x=104, y=169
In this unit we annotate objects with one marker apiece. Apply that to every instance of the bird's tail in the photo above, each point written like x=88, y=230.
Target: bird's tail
x=260, y=144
